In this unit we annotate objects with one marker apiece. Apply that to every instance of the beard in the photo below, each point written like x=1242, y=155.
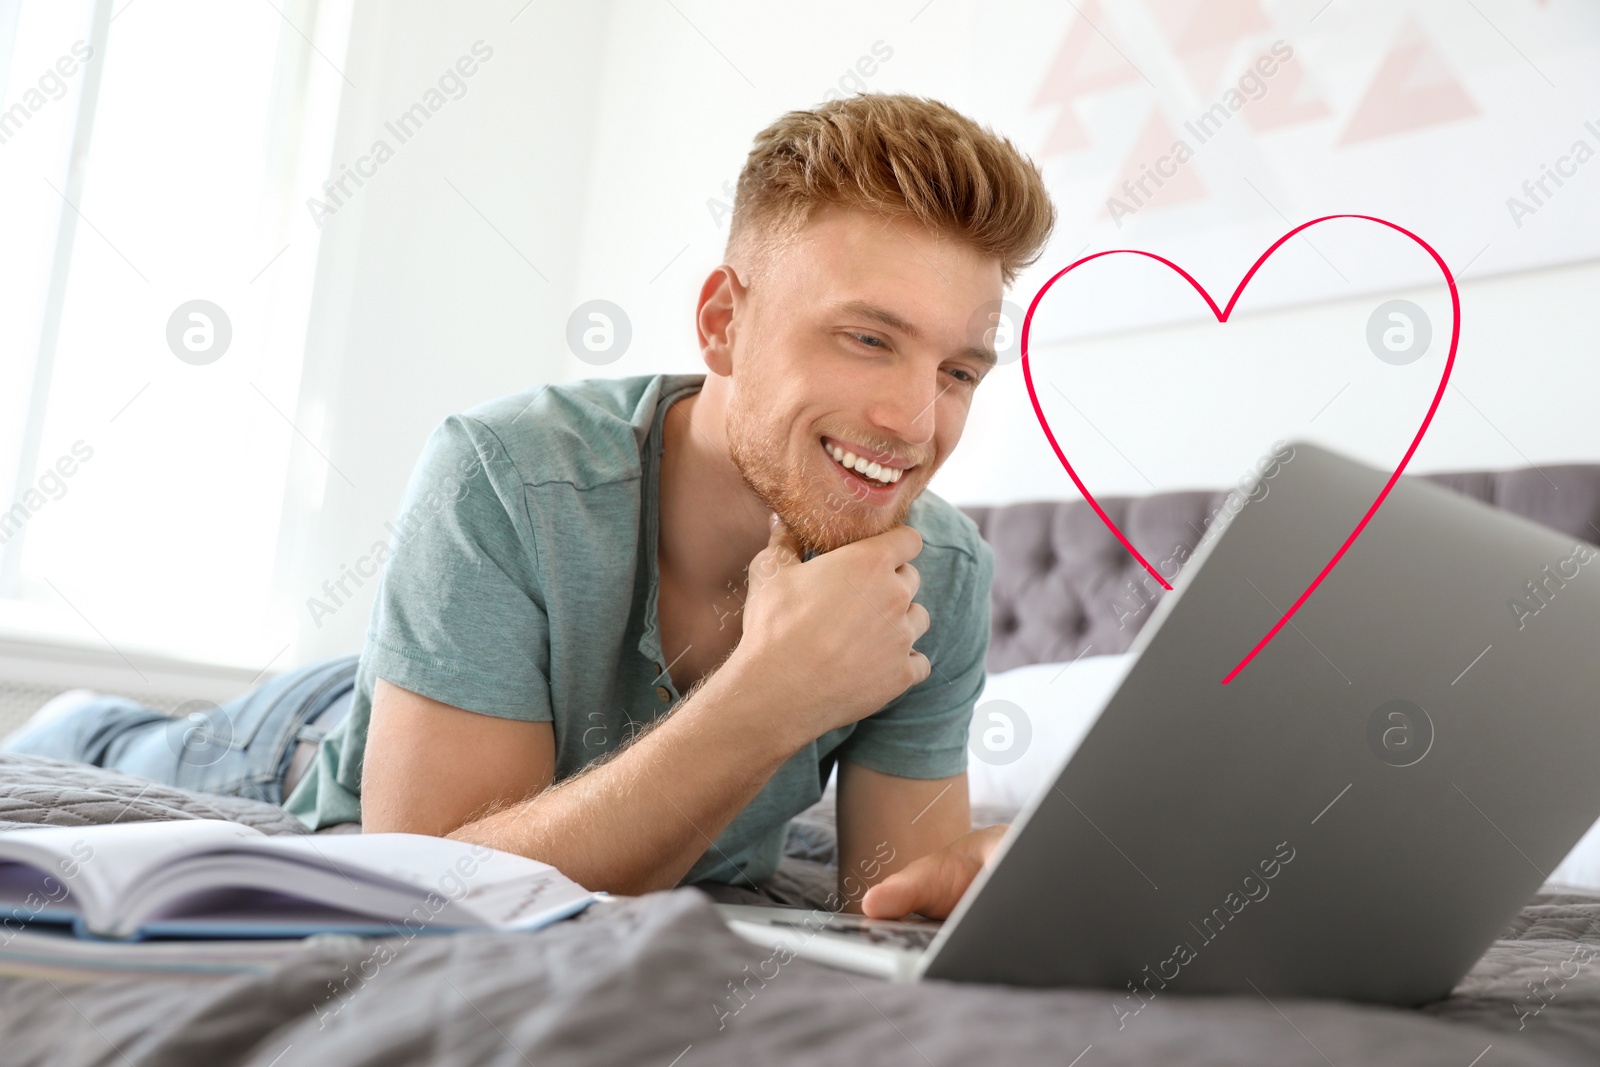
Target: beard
x=815, y=504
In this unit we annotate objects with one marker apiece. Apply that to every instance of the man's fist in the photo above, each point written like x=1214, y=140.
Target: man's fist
x=831, y=637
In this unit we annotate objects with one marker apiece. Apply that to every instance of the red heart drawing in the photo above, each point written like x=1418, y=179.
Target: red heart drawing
x=1222, y=316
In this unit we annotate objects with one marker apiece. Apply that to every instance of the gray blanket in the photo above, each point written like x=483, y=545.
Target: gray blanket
x=659, y=980
x=35, y=791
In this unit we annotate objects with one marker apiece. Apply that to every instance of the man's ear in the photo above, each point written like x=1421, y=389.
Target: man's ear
x=722, y=299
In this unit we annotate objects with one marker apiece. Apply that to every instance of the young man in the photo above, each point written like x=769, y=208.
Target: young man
x=630, y=627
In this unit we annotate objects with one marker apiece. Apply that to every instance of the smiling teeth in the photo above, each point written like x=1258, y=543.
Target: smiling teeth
x=887, y=475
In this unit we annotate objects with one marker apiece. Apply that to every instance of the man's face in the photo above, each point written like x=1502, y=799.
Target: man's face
x=859, y=340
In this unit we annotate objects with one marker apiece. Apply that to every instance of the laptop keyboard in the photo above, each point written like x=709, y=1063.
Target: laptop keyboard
x=910, y=937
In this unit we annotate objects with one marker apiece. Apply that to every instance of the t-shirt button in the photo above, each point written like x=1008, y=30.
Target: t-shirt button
x=662, y=692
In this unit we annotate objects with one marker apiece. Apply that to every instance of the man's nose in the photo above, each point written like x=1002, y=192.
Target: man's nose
x=907, y=410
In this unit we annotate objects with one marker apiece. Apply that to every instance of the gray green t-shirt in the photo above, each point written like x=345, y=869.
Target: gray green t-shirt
x=520, y=581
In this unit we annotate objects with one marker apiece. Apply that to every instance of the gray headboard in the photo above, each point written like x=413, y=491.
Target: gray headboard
x=1063, y=584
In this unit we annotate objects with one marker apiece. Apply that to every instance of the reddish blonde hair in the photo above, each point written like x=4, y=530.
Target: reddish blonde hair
x=906, y=157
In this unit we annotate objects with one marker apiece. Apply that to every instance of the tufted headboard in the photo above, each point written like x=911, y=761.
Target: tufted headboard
x=1064, y=586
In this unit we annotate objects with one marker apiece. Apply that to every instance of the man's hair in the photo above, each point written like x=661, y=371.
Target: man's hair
x=903, y=157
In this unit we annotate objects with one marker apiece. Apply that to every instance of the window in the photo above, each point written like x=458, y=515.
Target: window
x=145, y=438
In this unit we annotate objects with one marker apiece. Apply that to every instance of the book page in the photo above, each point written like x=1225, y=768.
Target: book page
x=98, y=865
x=460, y=883
x=126, y=875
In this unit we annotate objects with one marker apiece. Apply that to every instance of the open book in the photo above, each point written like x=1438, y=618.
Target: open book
x=208, y=878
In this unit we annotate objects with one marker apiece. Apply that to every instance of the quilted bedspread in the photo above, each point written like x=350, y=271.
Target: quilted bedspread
x=659, y=980
x=35, y=791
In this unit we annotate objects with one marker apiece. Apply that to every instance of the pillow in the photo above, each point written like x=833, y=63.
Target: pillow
x=1581, y=868
x=1028, y=722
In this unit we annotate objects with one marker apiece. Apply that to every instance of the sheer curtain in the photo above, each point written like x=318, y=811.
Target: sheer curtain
x=155, y=278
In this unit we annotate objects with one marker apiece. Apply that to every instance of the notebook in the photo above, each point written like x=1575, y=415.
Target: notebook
x=53, y=952
x=213, y=879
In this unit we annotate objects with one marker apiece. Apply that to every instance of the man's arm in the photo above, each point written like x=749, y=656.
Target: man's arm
x=430, y=766
x=814, y=655
x=886, y=822
x=630, y=824
x=907, y=844
x=923, y=824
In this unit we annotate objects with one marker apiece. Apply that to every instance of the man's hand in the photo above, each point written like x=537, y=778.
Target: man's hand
x=932, y=886
x=831, y=638
x=825, y=643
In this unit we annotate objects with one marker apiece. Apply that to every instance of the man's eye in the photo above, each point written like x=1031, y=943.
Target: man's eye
x=968, y=378
x=869, y=340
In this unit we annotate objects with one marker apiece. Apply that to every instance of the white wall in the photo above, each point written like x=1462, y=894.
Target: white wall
x=1522, y=391
x=424, y=305
x=594, y=140
x=675, y=120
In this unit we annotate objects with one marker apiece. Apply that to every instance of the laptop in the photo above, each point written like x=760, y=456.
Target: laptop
x=1358, y=813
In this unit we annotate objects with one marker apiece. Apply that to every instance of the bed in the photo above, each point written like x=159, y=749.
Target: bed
x=659, y=980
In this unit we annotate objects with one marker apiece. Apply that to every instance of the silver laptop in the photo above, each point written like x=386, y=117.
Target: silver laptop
x=1357, y=814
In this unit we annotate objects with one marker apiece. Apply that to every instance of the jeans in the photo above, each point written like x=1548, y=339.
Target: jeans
x=240, y=748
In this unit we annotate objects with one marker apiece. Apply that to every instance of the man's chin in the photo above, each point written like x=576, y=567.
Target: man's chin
x=818, y=538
